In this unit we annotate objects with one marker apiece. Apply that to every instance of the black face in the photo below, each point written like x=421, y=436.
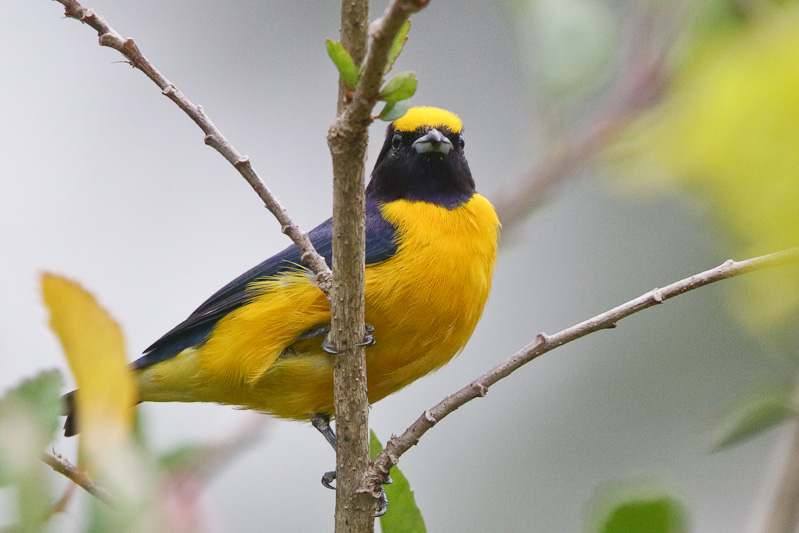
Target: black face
x=405, y=171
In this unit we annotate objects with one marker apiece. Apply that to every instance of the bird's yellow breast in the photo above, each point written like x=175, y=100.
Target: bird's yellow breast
x=424, y=303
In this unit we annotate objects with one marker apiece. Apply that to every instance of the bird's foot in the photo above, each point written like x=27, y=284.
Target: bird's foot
x=328, y=478
x=368, y=340
x=321, y=421
x=381, y=503
x=368, y=337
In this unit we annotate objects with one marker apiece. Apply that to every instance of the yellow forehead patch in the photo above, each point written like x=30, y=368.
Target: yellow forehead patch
x=416, y=117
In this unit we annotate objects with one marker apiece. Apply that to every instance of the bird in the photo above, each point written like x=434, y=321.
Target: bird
x=431, y=246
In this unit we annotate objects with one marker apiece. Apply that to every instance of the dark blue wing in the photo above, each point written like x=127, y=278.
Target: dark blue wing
x=380, y=245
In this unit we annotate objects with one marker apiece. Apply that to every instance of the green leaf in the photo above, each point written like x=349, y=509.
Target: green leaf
x=753, y=414
x=632, y=507
x=344, y=63
x=403, y=515
x=40, y=395
x=398, y=44
x=393, y=110
x=401, y=87
x=663, y=515
x=28, y=421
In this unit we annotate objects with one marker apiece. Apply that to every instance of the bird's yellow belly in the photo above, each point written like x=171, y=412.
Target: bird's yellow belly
x=423, y=302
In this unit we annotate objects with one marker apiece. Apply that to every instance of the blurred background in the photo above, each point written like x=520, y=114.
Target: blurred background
x=626, y=144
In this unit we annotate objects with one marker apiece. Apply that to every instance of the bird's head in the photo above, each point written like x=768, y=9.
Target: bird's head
x=422, y=160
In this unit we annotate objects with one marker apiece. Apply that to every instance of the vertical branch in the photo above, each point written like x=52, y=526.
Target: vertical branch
x=354, y=510
x=347, y=139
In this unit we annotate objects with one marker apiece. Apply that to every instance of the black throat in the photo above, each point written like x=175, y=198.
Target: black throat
x=434, y=177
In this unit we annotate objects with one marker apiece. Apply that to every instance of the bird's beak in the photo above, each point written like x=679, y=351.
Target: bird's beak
x=434, y=141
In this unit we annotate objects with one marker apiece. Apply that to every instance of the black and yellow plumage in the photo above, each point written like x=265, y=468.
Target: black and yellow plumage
x=431, y=244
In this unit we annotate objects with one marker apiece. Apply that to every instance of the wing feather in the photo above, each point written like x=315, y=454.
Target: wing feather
x=381, y=244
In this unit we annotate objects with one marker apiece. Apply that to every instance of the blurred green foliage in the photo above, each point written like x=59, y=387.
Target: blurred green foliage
x=727, y=132
x=566, y=46
x=28, y=422
x=635, y=507
x=753, y=414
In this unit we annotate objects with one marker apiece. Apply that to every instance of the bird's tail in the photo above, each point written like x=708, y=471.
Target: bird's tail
x=70, y=409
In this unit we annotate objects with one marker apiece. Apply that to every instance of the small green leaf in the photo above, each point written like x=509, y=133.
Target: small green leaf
x=398, y=44
x=401, y=87
x=663, y=515
x=403, y=515
x=393, y=110
x=632, y=507
x=344, y=63
x=753, y=414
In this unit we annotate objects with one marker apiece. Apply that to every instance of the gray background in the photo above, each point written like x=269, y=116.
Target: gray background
x=104, y=180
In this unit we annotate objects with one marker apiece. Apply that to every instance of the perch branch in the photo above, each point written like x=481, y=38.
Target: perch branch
x=544, y=343
x=347, y=139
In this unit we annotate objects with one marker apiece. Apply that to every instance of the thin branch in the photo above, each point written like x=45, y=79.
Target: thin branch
x=544, y=343
x=63, y=466
x=347, y=139
x=354, y=510
x=213, y=136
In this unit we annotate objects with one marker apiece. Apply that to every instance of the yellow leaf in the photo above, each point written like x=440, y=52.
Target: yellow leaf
x=95, y=350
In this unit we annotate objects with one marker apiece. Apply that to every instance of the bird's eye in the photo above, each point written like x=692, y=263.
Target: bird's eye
x=396, y=141
x=461, y=142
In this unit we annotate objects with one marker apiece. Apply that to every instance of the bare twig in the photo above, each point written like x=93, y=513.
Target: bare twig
x=543, y=343
x=63, y=466
x=213, y=136
x=347, y=139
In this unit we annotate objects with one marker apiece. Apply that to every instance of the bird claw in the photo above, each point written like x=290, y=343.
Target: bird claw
x=328, y=478
x=328, y=347
x=321, y=422
x=382, y=504
x=381, y=499
x=368, y=340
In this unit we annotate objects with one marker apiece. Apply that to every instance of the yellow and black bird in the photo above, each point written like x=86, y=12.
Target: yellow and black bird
x=431, y=245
